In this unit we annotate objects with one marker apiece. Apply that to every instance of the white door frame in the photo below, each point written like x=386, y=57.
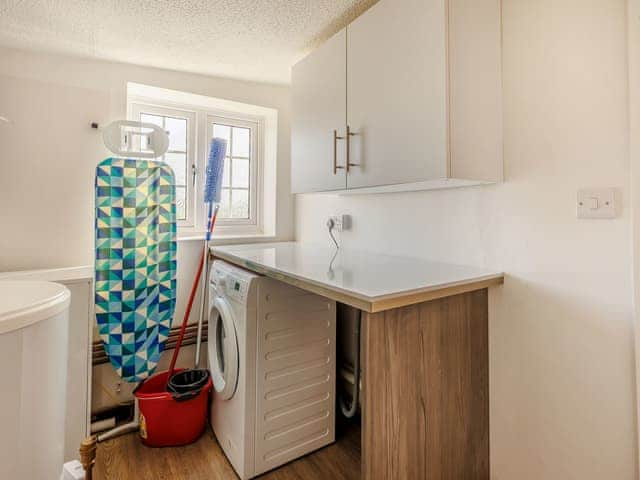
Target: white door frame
x=633, y=31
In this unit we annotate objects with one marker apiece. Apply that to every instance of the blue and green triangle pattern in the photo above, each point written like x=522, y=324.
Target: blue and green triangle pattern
x=135, y=243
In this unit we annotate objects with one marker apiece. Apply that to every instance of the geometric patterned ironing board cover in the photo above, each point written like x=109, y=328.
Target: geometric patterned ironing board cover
x=135, y=287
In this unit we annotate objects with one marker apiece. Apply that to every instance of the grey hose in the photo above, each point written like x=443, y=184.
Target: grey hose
x=349, y=411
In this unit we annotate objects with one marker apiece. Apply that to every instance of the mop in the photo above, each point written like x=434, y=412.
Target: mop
x=212, y=191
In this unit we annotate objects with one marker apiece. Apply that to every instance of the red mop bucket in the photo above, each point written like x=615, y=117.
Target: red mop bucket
x=177, y=417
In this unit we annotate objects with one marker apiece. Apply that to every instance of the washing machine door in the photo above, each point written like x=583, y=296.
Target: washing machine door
x=223, y=348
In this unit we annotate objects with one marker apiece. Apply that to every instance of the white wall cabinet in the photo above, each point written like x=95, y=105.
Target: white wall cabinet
x=319, y=94
x=413, y=88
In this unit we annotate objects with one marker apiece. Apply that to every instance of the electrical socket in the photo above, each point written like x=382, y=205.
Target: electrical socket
x=340, y=222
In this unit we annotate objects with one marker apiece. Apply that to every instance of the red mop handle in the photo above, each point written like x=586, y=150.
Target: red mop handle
x=187, y=312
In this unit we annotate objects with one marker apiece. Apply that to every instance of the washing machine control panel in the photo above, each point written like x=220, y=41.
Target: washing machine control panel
x=230, y=285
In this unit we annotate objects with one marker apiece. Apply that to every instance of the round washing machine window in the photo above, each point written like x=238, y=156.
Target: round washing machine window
x=223, y=349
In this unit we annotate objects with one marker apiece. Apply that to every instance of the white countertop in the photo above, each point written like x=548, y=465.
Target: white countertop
x=64, y=275
x=371, y=281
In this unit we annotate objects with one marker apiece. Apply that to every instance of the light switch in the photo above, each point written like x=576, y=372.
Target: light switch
x=596, y=203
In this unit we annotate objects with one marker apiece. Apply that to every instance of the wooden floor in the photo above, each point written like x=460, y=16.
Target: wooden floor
x=125, y=458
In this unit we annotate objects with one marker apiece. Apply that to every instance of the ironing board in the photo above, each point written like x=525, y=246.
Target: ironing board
x=135, y=284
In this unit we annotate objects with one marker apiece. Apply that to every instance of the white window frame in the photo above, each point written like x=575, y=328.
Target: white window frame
x=199, y=133
x=136, y=108
x=255, y=169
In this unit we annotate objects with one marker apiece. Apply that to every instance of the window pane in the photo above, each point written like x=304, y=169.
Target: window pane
x=178, y=161
x=181, y=203
x=225, y=207
x=226, y=173
x=241, y=142
x=222, y=131
x=240, y=175
x=177, y=128
x=147, y=118
x=236, y=179
x=240, y=204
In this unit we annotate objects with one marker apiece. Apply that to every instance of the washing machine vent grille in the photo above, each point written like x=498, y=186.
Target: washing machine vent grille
x=295, y=376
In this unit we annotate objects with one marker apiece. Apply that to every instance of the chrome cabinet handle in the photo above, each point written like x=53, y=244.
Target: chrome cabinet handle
x=348, y=136
x=335, y=152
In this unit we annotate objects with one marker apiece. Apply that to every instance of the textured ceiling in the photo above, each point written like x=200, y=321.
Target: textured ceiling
x=248, y=39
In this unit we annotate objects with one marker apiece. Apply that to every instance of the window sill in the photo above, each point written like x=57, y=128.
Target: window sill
x=227, y=239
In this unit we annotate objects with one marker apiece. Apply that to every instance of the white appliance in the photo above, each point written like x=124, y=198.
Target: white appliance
x=79, y=281
x=33, y=367
x=272, y=358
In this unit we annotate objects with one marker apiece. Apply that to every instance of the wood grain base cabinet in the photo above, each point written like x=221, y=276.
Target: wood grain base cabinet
x=426, y=391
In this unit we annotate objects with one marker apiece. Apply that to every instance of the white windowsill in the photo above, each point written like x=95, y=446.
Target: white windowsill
x=227, y=239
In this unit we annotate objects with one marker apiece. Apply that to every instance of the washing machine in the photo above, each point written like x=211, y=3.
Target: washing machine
x=272, y=354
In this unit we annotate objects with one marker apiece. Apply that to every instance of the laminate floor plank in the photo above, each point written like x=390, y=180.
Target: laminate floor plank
x=125, y=458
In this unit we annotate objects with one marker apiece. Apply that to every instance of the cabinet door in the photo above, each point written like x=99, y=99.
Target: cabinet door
x=397, y=93
x=319, y=107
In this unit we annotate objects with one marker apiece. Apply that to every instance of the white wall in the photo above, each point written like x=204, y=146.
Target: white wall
x=561, y=328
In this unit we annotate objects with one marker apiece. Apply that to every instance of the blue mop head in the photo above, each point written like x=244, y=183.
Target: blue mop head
x=215, y=167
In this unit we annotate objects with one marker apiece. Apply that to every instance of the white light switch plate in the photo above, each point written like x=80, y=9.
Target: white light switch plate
x=596, y=203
